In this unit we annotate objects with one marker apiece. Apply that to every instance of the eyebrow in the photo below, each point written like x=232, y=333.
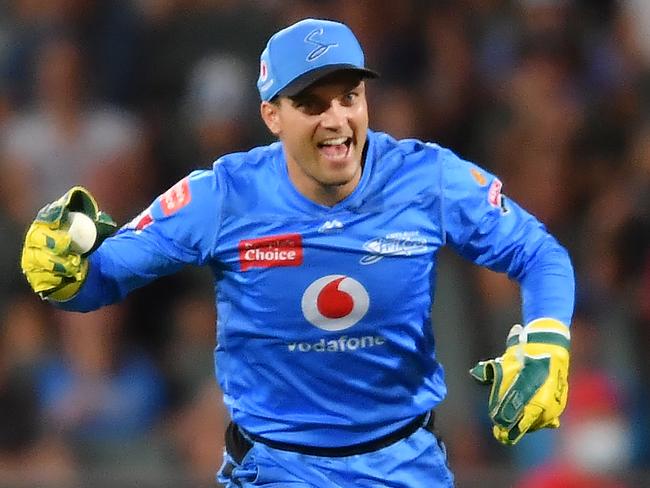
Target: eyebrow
x=301, y=98
x=307, y=96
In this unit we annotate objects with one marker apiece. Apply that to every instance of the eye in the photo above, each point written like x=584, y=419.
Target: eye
x=349, y=98
x=307, y=105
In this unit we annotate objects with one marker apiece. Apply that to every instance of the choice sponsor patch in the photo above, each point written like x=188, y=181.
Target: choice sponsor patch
x=271, y=251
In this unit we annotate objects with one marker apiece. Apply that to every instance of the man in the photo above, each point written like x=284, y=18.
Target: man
x=323, y=247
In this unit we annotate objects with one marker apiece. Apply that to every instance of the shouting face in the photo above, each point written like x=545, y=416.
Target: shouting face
x=323, y=130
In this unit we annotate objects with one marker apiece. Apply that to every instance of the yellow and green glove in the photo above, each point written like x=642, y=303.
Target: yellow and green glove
x=52, y=269
x=529, y=384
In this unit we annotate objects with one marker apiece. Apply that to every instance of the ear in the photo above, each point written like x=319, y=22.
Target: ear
x=270, y=116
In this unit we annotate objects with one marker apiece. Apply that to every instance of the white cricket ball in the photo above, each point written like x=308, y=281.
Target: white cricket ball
x=82, y=231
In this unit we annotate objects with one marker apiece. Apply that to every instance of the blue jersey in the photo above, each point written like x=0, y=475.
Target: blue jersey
x=324, y=333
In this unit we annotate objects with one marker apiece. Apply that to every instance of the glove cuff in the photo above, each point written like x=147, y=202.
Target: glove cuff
x=541, y=331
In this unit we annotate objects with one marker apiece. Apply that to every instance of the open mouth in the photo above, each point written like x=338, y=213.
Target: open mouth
x=335, y=148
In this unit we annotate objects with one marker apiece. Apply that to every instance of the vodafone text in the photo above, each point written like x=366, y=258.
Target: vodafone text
x=342, y=344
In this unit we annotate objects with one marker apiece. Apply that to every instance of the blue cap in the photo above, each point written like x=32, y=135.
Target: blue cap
x=298, y=55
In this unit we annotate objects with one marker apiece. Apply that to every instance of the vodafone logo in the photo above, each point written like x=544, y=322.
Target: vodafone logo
x=335, y=302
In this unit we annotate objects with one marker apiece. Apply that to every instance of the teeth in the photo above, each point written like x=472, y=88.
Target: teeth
x=335, y=142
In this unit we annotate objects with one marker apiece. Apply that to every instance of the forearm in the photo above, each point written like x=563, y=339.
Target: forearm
x=548, y=285
x=119, y=266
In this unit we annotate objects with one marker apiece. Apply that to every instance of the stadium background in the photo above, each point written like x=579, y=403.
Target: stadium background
x=127, y=96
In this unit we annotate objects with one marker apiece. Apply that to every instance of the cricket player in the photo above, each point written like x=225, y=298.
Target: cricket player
x=323, y=247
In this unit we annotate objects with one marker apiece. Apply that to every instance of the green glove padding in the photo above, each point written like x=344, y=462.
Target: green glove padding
x=529, y=382
x=52, y=269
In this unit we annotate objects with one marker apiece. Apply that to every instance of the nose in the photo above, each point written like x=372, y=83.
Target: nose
x=334, y=117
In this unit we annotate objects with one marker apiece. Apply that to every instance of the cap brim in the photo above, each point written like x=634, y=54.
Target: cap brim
x=311, y=77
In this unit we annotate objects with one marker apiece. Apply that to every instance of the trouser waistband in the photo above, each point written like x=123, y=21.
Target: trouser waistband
x=238, y=441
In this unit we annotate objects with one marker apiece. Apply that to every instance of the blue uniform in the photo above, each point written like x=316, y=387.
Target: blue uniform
x=324, y=333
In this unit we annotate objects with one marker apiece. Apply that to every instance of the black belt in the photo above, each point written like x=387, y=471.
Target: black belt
x=238, y=443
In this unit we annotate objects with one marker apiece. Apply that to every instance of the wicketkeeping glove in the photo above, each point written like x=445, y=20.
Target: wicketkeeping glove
x=52, y=269
x=529, y=382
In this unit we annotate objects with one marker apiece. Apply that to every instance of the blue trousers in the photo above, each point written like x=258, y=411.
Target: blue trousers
x=417, y=461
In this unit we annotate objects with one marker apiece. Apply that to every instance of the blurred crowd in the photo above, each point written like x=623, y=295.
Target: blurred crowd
x=127, y=96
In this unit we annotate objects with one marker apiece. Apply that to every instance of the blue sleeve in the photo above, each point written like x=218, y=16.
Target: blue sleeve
x=491, y=230
x=179, y=228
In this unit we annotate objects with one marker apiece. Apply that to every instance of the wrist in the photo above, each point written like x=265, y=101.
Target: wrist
x=541, y=331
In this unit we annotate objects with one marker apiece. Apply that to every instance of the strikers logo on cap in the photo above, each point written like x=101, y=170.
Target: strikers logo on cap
x=321, y=46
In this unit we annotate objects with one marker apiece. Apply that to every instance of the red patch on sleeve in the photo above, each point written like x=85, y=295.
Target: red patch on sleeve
x=176, y=197
x=494, y=193
x=145, y=221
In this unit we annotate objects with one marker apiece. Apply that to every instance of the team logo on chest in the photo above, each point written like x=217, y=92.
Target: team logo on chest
x=335, y=302
x=394, y=244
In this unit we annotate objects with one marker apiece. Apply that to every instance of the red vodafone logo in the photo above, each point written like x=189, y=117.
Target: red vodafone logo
x=335, y=302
